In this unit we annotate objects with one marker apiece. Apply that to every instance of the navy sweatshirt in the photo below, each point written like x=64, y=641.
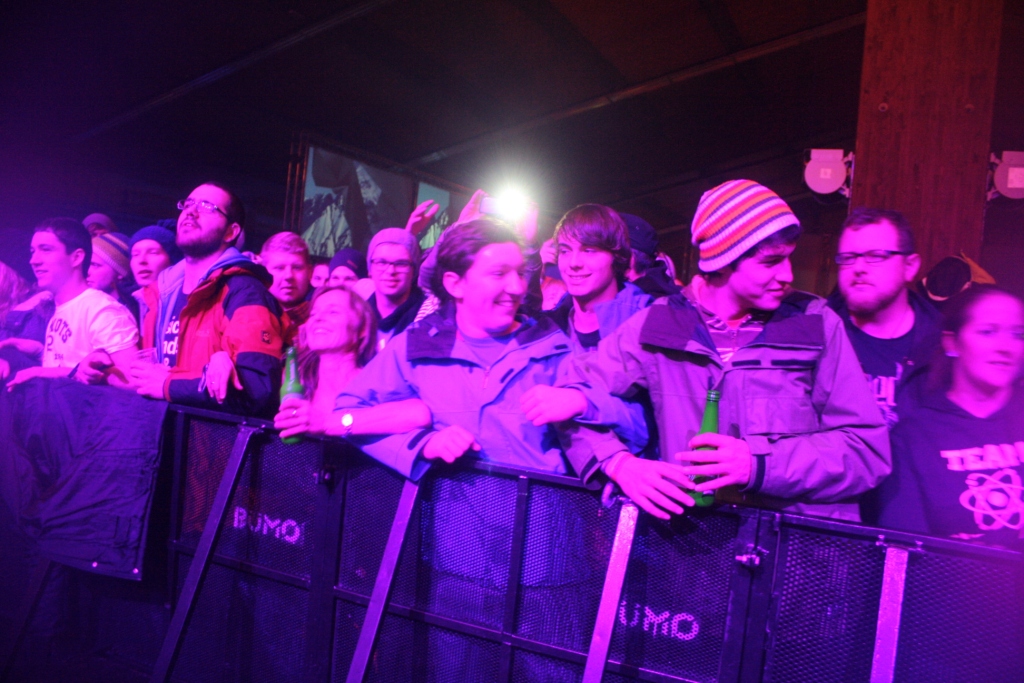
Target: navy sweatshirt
x=956, y=475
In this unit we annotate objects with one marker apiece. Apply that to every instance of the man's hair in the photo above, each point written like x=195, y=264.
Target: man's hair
x=642, y=262
x=459, y=246
x=235, y=209
x=315, y=261
x=72, y=234
x=786, y=236
x=288, y=243
x=862, y=216
x=594, y=225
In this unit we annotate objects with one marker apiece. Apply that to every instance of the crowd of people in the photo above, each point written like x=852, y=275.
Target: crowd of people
x=580, y=355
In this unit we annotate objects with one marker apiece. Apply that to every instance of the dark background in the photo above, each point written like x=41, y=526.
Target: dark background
x=124, y=107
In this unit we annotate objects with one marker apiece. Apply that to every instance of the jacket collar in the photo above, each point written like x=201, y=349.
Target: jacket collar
x=676, y=323
x=412, y=303
x=434, y=337
x=610, y=314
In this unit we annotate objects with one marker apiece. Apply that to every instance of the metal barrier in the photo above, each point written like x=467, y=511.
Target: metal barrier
x=313, y=563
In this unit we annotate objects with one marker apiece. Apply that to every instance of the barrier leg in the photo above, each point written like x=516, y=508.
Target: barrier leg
x=19, y=628
x=597, y=656
x=201, y=561
x=382, y=585
x=890, y=607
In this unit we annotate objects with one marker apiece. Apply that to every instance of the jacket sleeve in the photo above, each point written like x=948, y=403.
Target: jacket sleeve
x=850, y=453
x=612, y=423
x=253, y=336
x=899, y=500
x=385, y=379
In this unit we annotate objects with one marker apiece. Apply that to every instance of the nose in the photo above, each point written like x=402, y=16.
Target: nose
x=515, y=284
x=785, y=272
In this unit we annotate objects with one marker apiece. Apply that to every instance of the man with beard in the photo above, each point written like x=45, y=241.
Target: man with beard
x=208, y=309
x=893, y=330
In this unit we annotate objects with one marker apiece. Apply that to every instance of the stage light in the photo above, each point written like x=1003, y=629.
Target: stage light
x=1008, y=175
x=828, y=171
x=510, y=204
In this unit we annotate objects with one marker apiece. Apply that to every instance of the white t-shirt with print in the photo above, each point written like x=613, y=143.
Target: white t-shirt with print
x=92, y=320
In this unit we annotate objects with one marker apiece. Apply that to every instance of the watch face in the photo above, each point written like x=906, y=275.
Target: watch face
x=346, y=420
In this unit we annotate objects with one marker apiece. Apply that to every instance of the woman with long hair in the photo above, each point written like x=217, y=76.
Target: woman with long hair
x=335, y=343
x=958, y=449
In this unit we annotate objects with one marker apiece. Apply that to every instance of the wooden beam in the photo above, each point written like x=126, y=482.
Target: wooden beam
x=925, y=117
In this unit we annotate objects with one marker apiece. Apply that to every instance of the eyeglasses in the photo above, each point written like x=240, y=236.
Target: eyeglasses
x=399, y=266
x=848, y=258
x=202, y=206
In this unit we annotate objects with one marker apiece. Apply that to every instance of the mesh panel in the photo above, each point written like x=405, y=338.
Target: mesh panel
x=209, y=444
x=244, y=628
x=456, y=558
x=529, y=667
x=673, y=611
x=827, y=609
x=961, y=621
x=348, y=621
x=568, y=541
x=371, y=496
x=271, y=514
x=270, y=517
x=413, y=651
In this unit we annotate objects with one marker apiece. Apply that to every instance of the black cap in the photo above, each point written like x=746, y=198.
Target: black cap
x=641, y=235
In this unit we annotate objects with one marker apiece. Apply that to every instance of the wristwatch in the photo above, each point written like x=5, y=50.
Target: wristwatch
x=347, y=420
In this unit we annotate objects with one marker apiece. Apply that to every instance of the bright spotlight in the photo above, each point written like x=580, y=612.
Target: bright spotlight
x=511, y=205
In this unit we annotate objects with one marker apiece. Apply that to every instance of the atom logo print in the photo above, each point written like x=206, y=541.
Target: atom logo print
x=997, y=500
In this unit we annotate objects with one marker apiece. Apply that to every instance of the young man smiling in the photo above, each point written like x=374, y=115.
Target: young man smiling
x=89, y=330
x=213, y=303
x=798, y=427
x=470, y=362
x=592, y=246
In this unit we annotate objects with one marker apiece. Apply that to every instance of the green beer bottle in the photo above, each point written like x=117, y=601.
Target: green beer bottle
x=708, y=425
x=292, y=385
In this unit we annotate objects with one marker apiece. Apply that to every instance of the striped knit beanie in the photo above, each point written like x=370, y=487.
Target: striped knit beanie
x=734, y=217
x=113, y=250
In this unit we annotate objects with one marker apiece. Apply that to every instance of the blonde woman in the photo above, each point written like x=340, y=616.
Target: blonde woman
x=335, y=343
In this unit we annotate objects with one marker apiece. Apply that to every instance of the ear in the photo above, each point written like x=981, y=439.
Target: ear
x=454, y=285
x=77, y=257
x=949, y=345
x=231, y=233
x=912, y=267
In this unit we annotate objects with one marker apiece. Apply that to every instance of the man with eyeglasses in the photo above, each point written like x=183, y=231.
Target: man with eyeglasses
x=214, y=327
x=394, y=258
x=892, y=329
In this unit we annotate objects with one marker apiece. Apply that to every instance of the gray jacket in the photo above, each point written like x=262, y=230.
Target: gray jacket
x=796, y=395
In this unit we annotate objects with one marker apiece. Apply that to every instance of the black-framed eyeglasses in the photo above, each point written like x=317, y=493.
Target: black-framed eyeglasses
x=848, y=258
x=202, y=206
x=399, y=266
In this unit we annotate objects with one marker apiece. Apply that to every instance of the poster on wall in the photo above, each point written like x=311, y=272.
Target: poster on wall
x=345, y=202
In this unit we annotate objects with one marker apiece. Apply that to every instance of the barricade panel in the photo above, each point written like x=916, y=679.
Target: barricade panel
x=209, y=444
x=371, y=496
x=456, y=557
x=568, y=540
x=414, y=651
x=348, y=621
x=826, y=608
x=962, y=620
x=245, y=628
x=270, y=517
x=672, y=615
